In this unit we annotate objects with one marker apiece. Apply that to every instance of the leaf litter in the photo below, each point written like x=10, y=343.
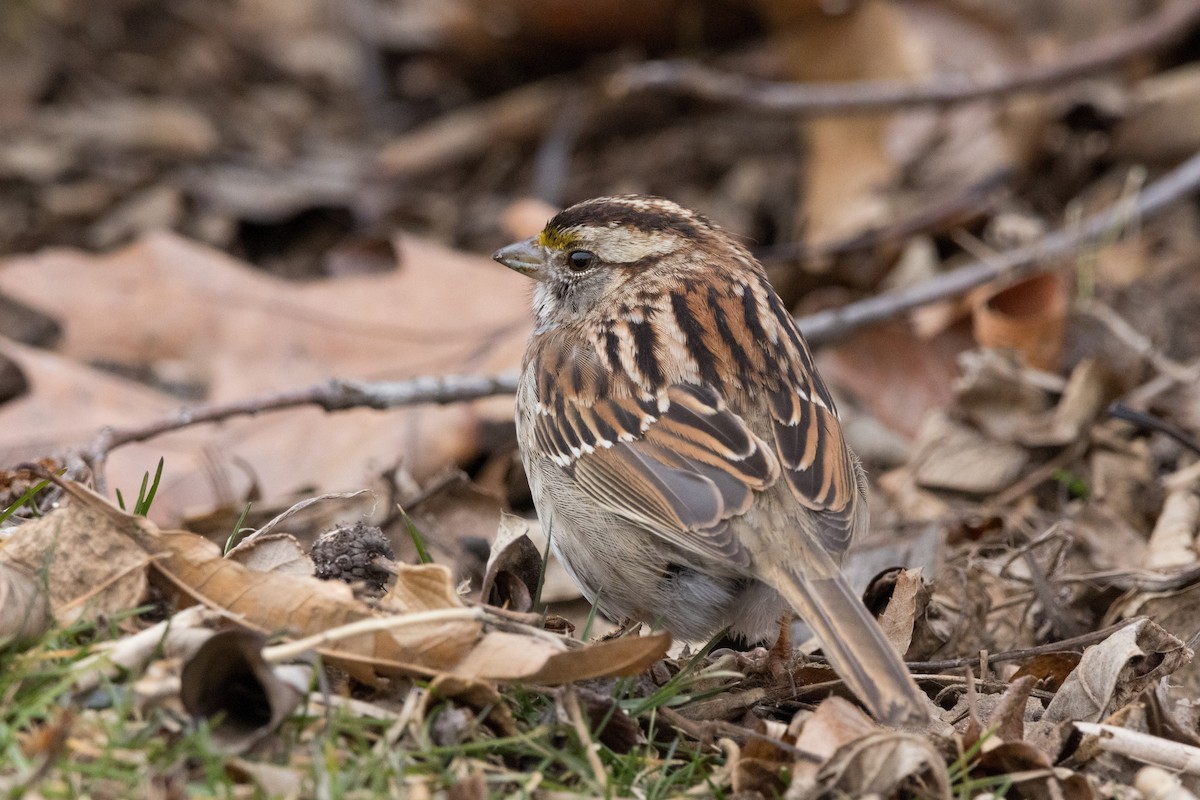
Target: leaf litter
x=1031, y=445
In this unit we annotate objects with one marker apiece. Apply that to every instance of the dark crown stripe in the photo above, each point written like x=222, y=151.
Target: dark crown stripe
x=660, y=216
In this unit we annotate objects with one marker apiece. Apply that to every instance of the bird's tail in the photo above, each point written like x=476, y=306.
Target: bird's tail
x=852, y=641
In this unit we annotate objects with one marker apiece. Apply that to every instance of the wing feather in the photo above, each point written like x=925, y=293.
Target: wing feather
x=679, y=464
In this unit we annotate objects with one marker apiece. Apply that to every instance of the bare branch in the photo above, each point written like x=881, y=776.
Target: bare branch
x=1157, y=31
x=333, y=395
x=1181, y=182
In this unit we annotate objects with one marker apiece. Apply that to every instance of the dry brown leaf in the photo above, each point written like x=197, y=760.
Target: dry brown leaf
x=1156, y=125
x=759, y=766
x=835, y=722
x=234, y=332
x=272, y=779
x=513, y=568
x=1089, y=391
x=307, y=607
x=865, y=172
x=90, y=566
x=177, y=637
x=997, y=395
x=1028, y=317
x=1179, y=613
x=1173, y=540
x=896, y=376
x=273, y=602
x=481, y=697
x=881, y=763
x=909, y=598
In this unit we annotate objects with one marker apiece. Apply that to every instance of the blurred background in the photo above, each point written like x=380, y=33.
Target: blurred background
x=211, y=201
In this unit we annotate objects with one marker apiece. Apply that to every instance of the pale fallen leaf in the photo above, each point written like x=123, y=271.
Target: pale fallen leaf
x=1116, y=670
x=274, y=552
x=513, y=568
x=508, y=656
x=997, y=395
x=952, y=455
x=176, y=637
x=24, y=606
x=89, y=566
x=909, y=598
x=1155, y=127
x=421, y=627
x=865, y=172
x=273, y=780
x=1090, y=390
x=881, y=763
x=1173, y=540
x=835, y=722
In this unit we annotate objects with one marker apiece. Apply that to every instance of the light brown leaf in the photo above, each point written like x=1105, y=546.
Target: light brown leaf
x=454, y=642
x=235, y=332
x=513, y=567
x=90, y=566
x=908, y=599
x=880, y=764
x=302, y=606
x=507, y=656
x=952, y=455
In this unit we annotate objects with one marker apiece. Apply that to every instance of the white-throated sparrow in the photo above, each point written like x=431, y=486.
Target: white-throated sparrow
x=684, y=455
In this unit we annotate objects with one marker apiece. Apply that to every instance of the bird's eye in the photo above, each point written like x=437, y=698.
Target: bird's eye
x=581, y=260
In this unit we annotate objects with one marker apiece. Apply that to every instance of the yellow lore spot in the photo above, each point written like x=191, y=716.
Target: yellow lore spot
x=555, y=239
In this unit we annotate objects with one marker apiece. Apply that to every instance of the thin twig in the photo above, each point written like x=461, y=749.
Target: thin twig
x=941, y=213
x=334, y=395
x=1075, y=642
x=575, y=714
x=1153, y=33
x=1180, y=182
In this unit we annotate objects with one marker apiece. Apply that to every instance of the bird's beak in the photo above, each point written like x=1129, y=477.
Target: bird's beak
x=527, y=257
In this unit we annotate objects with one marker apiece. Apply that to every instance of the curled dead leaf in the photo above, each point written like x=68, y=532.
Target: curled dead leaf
x=514, y=567
x=1116, y=670
x=227, y=682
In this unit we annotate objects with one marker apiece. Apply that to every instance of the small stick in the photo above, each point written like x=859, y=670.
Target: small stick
x=571, y=704
x=826, y=326
x=1153, y=33
x=1083, y=640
